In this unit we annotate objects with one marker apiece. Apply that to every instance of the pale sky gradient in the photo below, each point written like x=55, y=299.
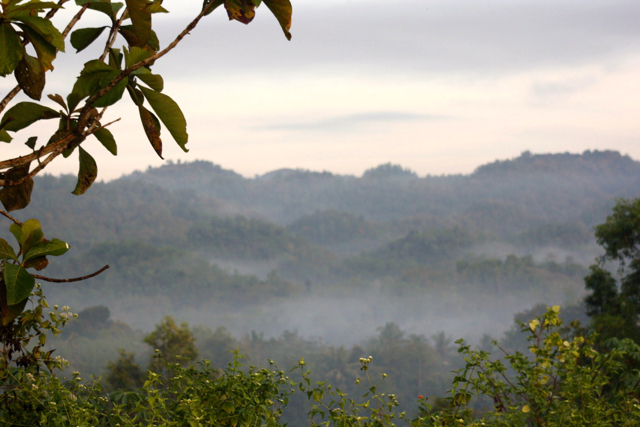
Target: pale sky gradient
x=438, y=86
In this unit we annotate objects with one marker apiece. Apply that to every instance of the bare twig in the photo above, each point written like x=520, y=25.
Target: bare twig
x=22, y=160
x=10, y=217
x=104, y=126
x=74, y=21
x=113, y=35
x=9, y=97
x=52, y=12
x=75, y=279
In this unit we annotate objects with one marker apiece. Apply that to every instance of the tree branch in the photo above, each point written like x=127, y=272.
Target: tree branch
x=10, y=217
x=75, y=279
x=125, y=73
x=65, y=33
x=52, y=12
x=74, y=20
x=113, y=35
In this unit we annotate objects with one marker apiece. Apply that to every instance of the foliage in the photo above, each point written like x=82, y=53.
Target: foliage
x=173, y=345
x=616, y=312
x=195, y=396
x=566, y=383
x=124, y=374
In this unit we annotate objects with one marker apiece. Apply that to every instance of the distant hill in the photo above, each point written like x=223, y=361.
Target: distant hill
x=536, y=188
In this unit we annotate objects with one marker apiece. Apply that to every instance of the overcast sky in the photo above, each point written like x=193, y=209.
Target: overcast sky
x=437, y=86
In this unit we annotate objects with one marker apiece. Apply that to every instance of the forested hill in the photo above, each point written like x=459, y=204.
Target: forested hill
x=502, y=196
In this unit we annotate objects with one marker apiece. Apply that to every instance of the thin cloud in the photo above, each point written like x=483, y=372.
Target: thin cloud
x=354, y=121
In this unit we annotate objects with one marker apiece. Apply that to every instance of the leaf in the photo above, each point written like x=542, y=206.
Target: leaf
x=45, y=28
x=87, y=173
x=114, y=94
x=132, y=39
x=31, y=142
x=6, y=251
x=152, y=129
x=83, y=37
x=23, y=114
x=9, y=312
x=108, y=8
x=107, y=140
x=15, y=197
x=96, y=75
x=30, y=76
x=115, y=58
x=10, y=49
x=4, y=136
x=19, y=283
x=31, y=6
x=55, y=247
x=31, y=235
x=216, y=3
x=154, y=81
x=526, y=409
x=240, y=10
x=282, y=10
x=140, y=18
x=59, y=100
x=39, y=263
x=135, y=55
x=46, y=51
x=16, y=230
x=170, y=114
x=89, y=79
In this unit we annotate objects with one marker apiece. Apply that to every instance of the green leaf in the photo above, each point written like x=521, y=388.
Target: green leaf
x=83, y=37
x=55, y=247
x=151, y=129
x=46, y=51
x=216, y=3
x=170, y=114
x=96, y=75
x=31, y=142
x=10, y=49
x=59, y=100
x=282, y=10
x=109, y=9
x=114, y=94
x=106, y=138
x=129, y=34
x=15, y=197
x=31, y=236
x=45, y=28
x=6, y=251
x=31, y=6
x=140, y=18
x=10, y=312
x=23, y=114
x=154, y=81
x=240, y=10
x=4, y=136
x=16, y=230
x=135, y=55
x=30, y=76
x=87, y=173
x=19, y=283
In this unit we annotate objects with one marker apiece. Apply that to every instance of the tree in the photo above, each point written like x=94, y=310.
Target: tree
x=172, y=344
x=615, y=310
x=29, y=43
x=124, y=374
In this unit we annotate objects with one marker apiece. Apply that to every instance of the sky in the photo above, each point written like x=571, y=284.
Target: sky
x=437, y=86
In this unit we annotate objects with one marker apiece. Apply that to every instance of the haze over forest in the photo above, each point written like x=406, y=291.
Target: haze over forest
x=306, y=262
